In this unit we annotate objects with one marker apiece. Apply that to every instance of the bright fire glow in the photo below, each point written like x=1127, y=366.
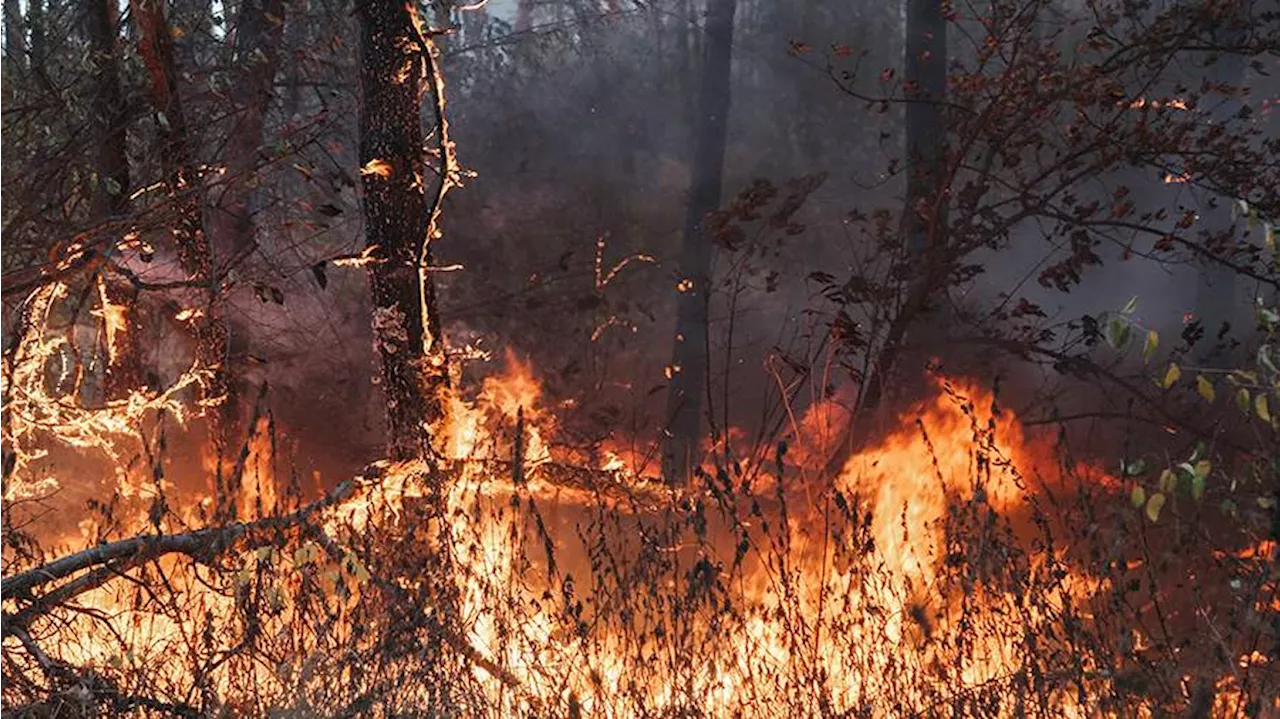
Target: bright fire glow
x=792, y=593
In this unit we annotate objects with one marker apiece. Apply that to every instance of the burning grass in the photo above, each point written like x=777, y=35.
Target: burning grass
x=960, y=565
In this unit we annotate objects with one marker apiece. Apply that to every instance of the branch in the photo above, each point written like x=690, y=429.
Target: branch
x=202, y=545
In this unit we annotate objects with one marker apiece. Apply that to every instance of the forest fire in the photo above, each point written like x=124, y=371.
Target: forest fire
x=260, y=457
x=785, y=590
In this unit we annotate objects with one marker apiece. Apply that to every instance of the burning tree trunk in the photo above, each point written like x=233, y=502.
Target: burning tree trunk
x=155, y=41
x=258, y=34
x=111, y=186
x=402, y=197
x=689, y=356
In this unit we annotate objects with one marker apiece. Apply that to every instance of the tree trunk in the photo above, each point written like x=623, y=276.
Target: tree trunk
x=689, y=356
x=37, y=47
x=402, y=194
x=155, y=44
x=15, y=38
x=109, y=118
x=924, y=218
x=110, y=198
x=926, y=74
x=524, y=16
x=258, y=33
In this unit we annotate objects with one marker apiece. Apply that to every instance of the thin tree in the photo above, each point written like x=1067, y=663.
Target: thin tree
x=924, y=218
x=259, y=30
x=15, y=40
x=688, y=367
x=177, y=157
x=402, y=196
x=110, y=194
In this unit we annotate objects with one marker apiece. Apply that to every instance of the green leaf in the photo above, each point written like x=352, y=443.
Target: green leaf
x=1168, y=480
x=1171, y=376
x=1139, y=496
x=1117, y=333
x=1202, y=468
x=1266, y=502
x=1154, y=503
x=1205, y=388
x=1149, y=346
x=1261, y=406
x=1242, y=400
x=1198, y=484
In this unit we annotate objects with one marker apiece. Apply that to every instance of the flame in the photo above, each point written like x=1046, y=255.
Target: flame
x=795, y=594
x=115, y=319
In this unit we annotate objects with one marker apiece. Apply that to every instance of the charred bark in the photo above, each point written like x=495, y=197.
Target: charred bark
x=926, y=258
x=110, y=195
x=259, y=31
x=689, y=355
x=402, y=195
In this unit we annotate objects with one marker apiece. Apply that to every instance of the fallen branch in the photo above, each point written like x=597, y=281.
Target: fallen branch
x=111, y=560
x=202, y=545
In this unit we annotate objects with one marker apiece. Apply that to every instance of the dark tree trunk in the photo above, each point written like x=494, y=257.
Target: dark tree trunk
x=15, y=37
x=36, y=30
x=258, y=33
x=109, y=120
x=403, y=192
x=109, y=116
x=924, y=218
x=689, y=356
x=926, y=75
x=401, y=197
x=155, y=44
